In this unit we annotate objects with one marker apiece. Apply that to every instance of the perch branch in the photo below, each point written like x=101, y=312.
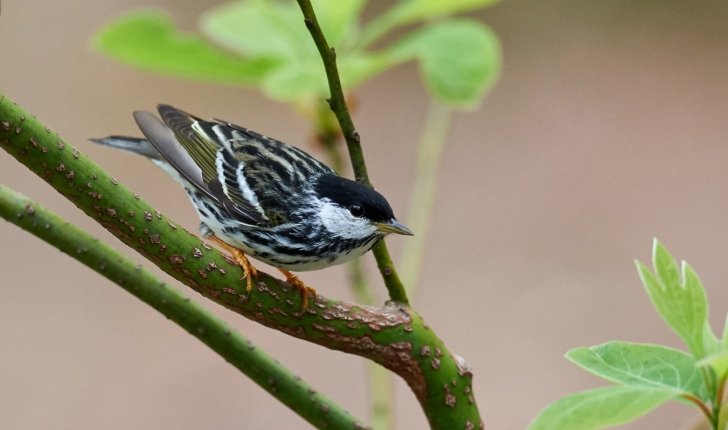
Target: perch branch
x=391, y=335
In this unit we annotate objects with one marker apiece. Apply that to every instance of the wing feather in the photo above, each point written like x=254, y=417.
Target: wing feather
x=194, y=155
x=166, y=144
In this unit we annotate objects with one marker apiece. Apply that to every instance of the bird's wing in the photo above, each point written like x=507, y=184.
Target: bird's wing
x=203, y=158
x=275, y=172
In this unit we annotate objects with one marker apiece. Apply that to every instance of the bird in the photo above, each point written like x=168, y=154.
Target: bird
x=259, y=197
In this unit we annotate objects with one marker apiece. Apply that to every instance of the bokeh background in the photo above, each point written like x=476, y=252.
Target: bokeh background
x=609, y=127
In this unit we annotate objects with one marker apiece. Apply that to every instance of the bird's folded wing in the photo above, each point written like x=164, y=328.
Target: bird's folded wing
x=202, y=159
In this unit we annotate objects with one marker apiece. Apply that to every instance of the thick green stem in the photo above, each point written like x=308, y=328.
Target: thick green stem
x=353, y=142
x=392, y=335
x=429, y=155
x=255, y=363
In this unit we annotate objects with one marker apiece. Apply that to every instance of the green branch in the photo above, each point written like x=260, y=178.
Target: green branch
x=353, y=142
x=392, y=335
x=270, y=375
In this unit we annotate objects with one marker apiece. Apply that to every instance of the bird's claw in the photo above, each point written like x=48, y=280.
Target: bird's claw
x=300, y=286
x=249, y=273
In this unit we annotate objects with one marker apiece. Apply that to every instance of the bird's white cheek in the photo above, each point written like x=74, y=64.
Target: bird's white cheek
x=340, y=222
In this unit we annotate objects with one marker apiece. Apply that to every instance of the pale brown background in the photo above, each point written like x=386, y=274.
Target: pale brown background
x=609, y=127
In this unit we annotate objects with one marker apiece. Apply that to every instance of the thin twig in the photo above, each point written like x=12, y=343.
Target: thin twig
x=353, y=142
x=255, y=363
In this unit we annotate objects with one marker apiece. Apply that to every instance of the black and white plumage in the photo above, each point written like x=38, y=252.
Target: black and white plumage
x=268, y=199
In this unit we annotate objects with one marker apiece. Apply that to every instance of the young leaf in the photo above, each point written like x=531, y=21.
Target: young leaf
x=459, y=59
x=683, y=306
x=665, y=266
x=148, y=40
x=638, y=365
x=600, y=408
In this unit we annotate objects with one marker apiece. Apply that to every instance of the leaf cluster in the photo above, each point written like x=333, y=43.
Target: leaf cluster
x=650, y=375
x=261, y=43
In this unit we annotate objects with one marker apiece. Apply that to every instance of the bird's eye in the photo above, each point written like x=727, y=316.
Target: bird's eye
x=356, y=210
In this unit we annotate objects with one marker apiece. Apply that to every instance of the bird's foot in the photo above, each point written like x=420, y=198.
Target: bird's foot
x=300, y=286
x=249, y=272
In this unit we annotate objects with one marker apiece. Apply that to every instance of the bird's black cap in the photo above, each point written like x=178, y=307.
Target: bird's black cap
x=347, y=193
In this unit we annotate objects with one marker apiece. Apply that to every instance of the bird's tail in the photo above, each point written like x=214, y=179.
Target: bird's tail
x=134, y=145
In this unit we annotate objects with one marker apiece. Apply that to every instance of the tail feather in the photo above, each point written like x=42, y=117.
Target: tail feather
x=134, y=145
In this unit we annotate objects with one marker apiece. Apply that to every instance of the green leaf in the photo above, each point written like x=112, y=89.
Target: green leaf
x=148, y=40
x=600, y=408
x=260, y=29
x=665, y=266
x=683, y=306
x=270, y=29
x=460, y=60
x=295, y=82
x=639, y=365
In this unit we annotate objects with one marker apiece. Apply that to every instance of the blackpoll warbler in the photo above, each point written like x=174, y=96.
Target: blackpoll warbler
x=261, y=197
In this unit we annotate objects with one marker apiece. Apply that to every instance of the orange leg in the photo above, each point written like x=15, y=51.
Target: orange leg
x=300, y=286
x=249, y=271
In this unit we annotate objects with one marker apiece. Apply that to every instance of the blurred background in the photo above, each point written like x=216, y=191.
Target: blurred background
x=608, y=128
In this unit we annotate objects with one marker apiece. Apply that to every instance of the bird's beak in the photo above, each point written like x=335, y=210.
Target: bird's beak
x=395, y=227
